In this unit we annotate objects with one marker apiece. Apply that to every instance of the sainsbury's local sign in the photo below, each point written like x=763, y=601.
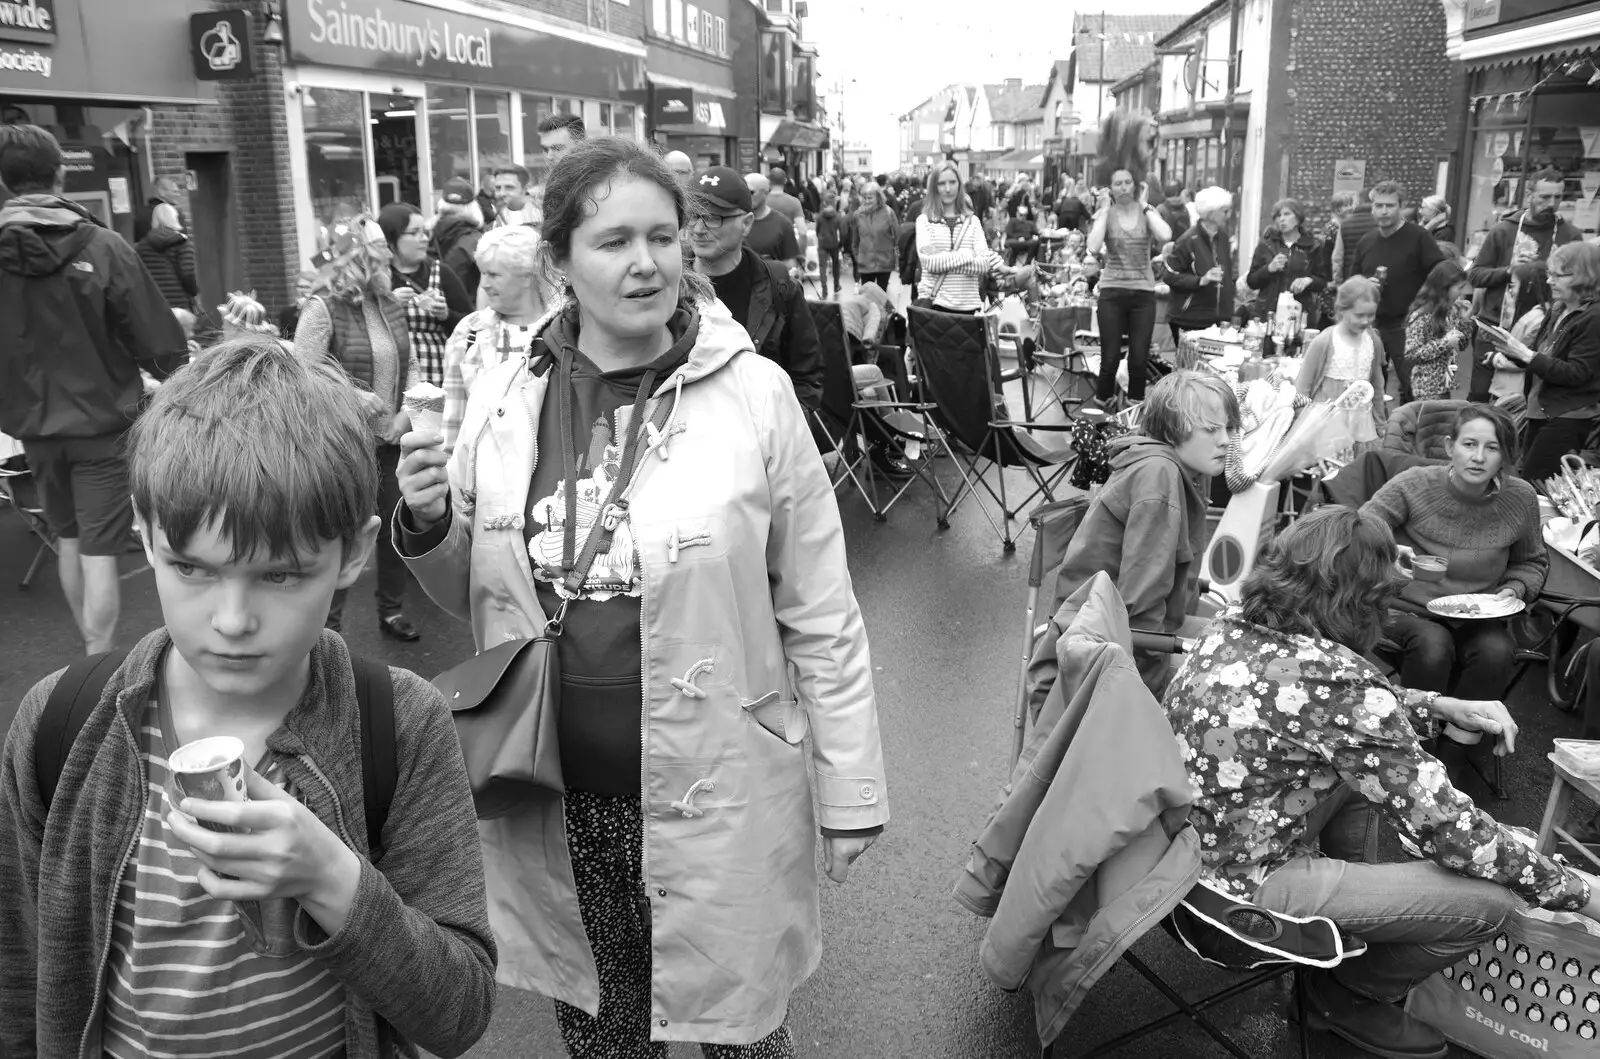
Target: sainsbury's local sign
x=418, y=39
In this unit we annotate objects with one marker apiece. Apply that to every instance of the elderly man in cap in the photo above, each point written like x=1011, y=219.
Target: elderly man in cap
x=761, y=294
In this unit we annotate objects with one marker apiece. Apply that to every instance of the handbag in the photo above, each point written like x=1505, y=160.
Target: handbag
x=506, y=701
x=1531, y=990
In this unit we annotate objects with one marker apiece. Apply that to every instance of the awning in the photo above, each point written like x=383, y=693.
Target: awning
x=799, y=134
x=1551, y=39
x=1025, y=158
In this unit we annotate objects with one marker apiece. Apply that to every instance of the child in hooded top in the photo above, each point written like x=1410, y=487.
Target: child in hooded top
x=253, y=485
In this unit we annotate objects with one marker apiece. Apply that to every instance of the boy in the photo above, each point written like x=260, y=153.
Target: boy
x=253, y=486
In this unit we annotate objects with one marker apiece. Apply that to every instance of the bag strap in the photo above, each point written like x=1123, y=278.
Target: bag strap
x=379, y=753
x=66, y=711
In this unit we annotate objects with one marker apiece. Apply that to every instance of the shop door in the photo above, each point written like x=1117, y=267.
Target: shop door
x=394, y=149
x=215, y=226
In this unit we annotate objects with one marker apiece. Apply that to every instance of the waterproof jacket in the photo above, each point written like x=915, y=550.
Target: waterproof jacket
x=1147, y=529
x=745, y=582
x=1568, y=361
x=79, y=316
x=1306, y=260
x=829, y=229
x=416, y=949
x=1069, y=890
x=875, y=237
x=781, y=327
x=168, y=256
x=1195, y=253
x=1491, y=269
x=455, y=243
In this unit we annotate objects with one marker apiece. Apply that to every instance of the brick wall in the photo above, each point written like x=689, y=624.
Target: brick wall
x=1367, y=79
x=249, y=122
x=623, y=20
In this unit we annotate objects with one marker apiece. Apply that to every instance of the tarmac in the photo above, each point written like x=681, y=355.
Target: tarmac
x=899, y=975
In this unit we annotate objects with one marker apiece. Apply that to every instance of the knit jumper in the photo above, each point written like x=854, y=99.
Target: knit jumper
x=1492, y=541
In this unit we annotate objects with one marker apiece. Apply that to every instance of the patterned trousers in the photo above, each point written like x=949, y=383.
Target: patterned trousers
x=605, y=833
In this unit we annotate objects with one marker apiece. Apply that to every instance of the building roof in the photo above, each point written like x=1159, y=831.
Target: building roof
x=1130, y=44
x=1151, y=72
x=1014, y=103
x=1202, y=17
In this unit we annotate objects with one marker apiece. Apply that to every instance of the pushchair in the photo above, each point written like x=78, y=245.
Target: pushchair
x=18, y=493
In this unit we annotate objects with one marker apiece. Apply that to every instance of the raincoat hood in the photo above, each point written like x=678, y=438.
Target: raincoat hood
x=39, y=234
x=1133, y=449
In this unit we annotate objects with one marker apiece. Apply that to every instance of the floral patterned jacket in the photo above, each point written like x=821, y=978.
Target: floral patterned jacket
x=1270, y=723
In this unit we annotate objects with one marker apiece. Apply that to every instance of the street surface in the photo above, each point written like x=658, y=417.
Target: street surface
x=899, y=976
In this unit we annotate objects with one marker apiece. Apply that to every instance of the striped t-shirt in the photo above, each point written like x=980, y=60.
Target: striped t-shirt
x=182, y=979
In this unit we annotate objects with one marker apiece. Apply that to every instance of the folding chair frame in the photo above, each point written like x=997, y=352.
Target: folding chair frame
x=932, y=439
x=36, y=525
x=973, y=475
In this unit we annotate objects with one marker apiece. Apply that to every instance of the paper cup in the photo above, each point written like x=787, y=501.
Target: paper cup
x=426, y=421
x=210, y=770
x=1429, y=567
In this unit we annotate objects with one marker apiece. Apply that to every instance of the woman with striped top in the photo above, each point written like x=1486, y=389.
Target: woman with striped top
x=1124, y=229
x=951, y=246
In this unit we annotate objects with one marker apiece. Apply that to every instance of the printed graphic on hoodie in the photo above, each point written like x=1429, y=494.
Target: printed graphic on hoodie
x=616, y=570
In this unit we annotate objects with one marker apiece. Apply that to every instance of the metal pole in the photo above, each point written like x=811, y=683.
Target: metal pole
x=1233, y=85
x=1100, y=100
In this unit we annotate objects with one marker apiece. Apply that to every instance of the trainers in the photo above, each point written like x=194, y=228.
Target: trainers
x=1373, y=1026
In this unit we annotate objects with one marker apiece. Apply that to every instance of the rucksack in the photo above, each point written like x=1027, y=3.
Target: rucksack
x=78, y=692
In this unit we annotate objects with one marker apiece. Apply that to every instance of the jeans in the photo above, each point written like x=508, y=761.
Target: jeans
x=392, y=571
x=880, y=278
x=1473, y=657
x=826, y=257
x=1126, y=317
x=1416, y=917
x=1547, y=440
x=1482, y=374
x=1393, y=337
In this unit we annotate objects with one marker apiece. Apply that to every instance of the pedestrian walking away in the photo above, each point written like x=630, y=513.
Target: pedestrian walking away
x=80, y=317
x=671, y=894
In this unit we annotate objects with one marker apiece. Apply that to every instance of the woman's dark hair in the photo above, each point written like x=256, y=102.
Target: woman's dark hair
x=1505, y=429
x=583, y=174
x=394, y=219
x=1330, y=574
x=1294, y=207
x=1127, y=141
x=1434, y=298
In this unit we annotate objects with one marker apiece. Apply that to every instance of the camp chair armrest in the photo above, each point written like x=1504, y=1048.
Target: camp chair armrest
x=909, y=406
x=1059, y=428
x=1161, y=643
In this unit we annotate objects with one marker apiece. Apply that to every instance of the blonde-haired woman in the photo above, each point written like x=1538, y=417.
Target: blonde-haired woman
x=515, y=295
x=353, y=319
x=952, y=247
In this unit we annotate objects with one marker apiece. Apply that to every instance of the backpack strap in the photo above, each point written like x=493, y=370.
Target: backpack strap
x=66, y=711
x=379, y=754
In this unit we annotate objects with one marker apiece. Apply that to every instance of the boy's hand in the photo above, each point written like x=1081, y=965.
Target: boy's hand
x=288, y=852
x=424, y=482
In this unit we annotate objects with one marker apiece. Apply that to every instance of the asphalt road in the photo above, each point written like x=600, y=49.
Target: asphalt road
x=899, y=975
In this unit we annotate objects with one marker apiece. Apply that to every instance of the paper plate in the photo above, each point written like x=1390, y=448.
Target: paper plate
x=1471, y=606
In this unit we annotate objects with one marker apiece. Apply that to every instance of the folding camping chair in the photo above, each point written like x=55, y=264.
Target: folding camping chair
x=17, y=492
x=859, y=406
x=959, y=369
x=1213, y=925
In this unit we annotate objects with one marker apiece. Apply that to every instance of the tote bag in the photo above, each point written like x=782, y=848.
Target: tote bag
x=1532, y=990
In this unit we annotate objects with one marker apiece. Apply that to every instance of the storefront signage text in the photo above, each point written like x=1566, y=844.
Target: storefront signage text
x=33, y=20
x=26, y=60
x=1481, y=13
x=373, y=29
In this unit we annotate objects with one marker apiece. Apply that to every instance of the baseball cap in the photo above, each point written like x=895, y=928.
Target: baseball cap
x=458, y=192
x=723, y=191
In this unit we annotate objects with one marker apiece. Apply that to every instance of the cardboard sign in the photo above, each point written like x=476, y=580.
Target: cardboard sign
x=1349, y=176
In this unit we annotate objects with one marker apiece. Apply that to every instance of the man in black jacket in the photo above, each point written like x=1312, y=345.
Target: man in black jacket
x=760, y=294
x=457, y=230
x=79, y=317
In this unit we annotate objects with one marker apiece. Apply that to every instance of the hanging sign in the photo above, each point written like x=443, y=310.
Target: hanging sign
x=219, y=44
x=1349, y=176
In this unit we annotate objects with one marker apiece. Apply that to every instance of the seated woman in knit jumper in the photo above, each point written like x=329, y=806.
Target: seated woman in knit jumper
x=1485, y=521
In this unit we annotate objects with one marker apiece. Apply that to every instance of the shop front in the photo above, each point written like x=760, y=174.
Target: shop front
x=1533, y=103
x=85, y=70
x=391, y=99
x=691, y=80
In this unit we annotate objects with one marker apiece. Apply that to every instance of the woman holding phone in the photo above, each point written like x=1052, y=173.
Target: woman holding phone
x=1562, y=362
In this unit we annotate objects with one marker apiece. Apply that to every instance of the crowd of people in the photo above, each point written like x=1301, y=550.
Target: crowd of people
x=626, y=468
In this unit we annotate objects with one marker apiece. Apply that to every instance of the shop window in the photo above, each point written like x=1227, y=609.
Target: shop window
x=722, y=37
x=691, y=24
x=624, y=117
x=491, y=122
x=335, y=124
x=658, y=16
x=676, y=11
x=449, y=134
x=107, y=182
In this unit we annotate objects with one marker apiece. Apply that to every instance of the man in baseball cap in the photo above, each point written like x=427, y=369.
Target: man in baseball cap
x=759, y=293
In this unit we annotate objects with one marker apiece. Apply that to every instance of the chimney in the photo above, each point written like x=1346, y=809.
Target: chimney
x=1013, y=84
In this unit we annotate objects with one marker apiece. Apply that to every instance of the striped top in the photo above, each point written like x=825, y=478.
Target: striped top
x=953, y=262
x=182, y=979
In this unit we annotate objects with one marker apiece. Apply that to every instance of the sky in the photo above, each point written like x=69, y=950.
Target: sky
x=890, y=55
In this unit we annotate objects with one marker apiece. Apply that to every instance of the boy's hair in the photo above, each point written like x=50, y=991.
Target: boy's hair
x=30, y=158
x=1186, y=401
x=275, y=446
